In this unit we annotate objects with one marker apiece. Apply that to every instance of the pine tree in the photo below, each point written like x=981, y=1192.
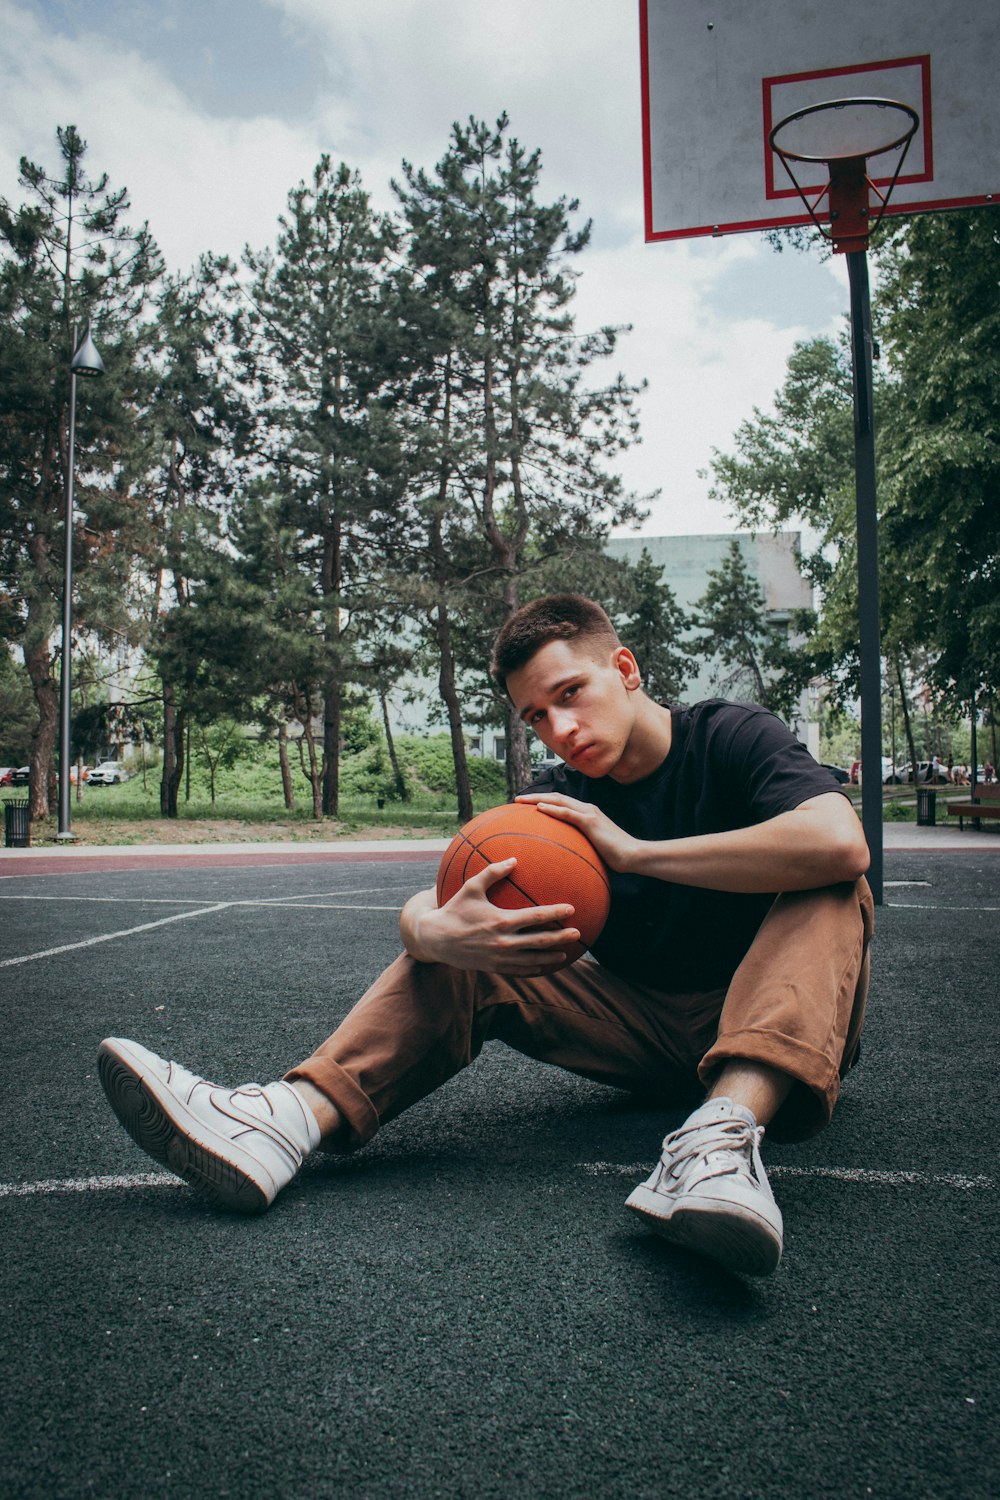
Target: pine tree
x=653, y=630
x=311, y=343
x=192, y=609
x=519, y=466
x=67, y=258
x=733, y=614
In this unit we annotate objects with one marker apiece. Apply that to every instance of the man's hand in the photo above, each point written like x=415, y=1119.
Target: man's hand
x=612, y=843
x=469, y=932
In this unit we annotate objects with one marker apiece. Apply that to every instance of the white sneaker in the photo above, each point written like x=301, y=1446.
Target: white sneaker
x=709, y=1191
x=236, y=1147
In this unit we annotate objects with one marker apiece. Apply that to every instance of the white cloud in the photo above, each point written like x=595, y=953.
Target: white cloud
x=202, y=182
x=400, y=71
x=705, y=372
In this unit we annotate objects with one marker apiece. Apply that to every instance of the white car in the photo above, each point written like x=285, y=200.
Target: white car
x=107, y=773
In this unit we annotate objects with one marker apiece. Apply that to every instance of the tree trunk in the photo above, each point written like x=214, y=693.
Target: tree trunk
x=174, y=720
x=313, y=774
x=907, y=726
x=38, y=662
x=286, y=771
x=331, y=747
x=449, y=697
x=518, y=765
x=402, y=790
x=167, y=769
x=332, y=687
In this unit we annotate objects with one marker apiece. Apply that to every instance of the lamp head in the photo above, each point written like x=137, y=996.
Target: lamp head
x=86, y=360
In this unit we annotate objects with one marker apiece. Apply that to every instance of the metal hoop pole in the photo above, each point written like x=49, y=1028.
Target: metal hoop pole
x=868, y=584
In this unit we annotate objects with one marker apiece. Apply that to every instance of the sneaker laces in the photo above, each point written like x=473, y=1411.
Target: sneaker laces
x=696, y=1152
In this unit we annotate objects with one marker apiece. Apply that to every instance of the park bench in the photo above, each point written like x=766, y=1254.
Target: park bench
x=987, y=804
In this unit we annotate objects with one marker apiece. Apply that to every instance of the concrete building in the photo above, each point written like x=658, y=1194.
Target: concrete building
x=773, y=559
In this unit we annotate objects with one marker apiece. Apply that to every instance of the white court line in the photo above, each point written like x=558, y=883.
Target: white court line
x=373, y=890
x=87, y=1184
x=115, y=900
x=864, y=1175
x=193, y=901
x=109, y=937
x=917, y=906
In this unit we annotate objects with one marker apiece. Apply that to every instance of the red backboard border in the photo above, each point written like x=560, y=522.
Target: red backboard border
x=922, y=61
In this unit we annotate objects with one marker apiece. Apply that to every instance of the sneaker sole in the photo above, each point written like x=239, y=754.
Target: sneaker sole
x=218, y=1171
x=738, y=1240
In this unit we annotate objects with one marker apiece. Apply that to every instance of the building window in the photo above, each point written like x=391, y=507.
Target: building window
x=499, y=748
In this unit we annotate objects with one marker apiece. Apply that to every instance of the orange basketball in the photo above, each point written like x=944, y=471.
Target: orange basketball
x=555, y=863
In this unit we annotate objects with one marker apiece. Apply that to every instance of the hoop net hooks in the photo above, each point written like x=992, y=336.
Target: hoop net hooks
x=849, y=186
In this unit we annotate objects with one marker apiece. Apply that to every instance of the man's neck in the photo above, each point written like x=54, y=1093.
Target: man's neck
x=648, y=744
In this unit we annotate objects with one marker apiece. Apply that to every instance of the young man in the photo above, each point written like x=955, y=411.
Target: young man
x=732, y=973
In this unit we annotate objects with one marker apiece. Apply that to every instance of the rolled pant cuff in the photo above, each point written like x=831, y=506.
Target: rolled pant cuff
x=347, y=1097
x=809, y=1108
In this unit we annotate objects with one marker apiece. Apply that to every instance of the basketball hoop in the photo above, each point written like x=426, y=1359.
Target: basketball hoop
x=842, y=134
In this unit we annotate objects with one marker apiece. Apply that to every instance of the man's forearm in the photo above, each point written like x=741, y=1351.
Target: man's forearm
x=795, y=851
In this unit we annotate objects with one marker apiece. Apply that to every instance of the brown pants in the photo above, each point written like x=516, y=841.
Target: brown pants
x=796, y=1003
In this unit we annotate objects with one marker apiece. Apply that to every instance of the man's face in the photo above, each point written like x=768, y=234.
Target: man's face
x=579, y=698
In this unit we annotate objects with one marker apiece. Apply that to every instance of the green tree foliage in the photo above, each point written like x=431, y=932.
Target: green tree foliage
x=654, y=629
x=191, y=607
x=222, y=745
x=519, y=466
x=939, y=302
x=17, y=711
x=66, y=257
x=757, y=662
x=937, y=403
x=311, y=345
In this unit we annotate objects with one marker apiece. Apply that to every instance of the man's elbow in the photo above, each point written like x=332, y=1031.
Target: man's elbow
x=850, y=855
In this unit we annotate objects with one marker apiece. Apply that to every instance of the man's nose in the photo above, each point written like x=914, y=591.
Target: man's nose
x=563, y=725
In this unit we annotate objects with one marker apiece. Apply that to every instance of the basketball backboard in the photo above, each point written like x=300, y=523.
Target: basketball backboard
x=717, y=75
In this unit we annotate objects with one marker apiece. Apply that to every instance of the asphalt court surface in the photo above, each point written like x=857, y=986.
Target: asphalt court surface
x=464, y=1308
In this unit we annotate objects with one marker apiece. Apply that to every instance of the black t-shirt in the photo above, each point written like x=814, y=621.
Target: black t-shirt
x=730, y=765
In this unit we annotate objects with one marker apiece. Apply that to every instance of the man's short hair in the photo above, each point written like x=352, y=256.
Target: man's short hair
x=557, y=617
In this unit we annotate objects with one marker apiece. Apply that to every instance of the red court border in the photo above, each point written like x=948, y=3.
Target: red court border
x=66, y=864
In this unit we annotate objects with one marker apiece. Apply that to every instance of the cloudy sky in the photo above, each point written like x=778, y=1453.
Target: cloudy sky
x=209, y=111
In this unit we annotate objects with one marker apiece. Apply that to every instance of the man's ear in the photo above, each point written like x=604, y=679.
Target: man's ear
x=628, y=669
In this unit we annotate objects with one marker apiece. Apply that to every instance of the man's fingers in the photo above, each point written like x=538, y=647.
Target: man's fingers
x=492, y=875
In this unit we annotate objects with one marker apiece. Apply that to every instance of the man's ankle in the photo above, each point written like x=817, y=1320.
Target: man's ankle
x=328, y=1117
x=755, y=1086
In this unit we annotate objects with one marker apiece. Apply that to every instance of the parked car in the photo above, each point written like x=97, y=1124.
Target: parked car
x=20, y=777
x=107, y=773
x=837, y=772
x=6, y=772
x=925, y=772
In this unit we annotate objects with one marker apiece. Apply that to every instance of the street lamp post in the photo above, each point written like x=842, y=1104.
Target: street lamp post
x=87, y=362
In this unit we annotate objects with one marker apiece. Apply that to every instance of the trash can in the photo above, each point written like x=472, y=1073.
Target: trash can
x=17, y=824
x=926, y=807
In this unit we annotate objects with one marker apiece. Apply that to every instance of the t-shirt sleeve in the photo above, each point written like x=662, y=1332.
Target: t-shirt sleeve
x=762, y=762
x=551, y=779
